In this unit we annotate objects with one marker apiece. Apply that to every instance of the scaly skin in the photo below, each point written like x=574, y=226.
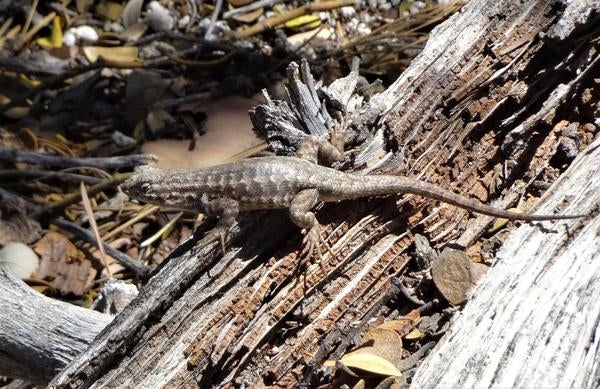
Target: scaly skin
x=273, y=182
x=285, y=182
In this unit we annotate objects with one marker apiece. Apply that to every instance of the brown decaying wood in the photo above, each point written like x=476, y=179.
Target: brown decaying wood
x=480, y=108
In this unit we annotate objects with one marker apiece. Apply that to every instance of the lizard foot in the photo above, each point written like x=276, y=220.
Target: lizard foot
x=337, y=133
x=311, y=242
x=219, y=233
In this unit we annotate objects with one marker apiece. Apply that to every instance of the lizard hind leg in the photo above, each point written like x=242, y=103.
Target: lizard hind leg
x=314, y=147
x=301, y=215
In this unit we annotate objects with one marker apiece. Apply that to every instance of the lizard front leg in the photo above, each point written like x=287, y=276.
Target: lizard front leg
x=301, y=215
x=226, y=210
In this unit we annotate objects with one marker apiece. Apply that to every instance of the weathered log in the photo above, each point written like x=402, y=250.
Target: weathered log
x=39, y=336
x=534, y=320
x=485, y=110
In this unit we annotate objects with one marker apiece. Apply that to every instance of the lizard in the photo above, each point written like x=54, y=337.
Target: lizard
x=297, y=183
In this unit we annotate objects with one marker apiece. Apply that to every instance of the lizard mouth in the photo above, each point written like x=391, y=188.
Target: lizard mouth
x=136, y=188
x=128, y=187
x=139, y=186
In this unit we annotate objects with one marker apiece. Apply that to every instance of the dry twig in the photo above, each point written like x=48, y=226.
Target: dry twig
x=12, y=155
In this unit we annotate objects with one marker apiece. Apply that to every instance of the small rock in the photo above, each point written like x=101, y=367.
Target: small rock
x=80, y=35
x=19, y=258
x=159, y=18
x=183, y=22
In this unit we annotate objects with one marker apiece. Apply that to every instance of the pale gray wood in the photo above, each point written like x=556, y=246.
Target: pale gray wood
x=534, y=321
x=39, y=336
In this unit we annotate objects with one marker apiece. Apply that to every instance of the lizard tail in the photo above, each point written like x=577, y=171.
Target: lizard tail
x=386, y=185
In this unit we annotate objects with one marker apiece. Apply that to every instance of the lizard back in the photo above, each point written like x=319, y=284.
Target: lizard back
x=255, y=183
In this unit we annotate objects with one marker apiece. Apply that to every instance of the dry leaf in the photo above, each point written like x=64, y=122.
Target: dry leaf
x=361, y=384
x=125, y=55
x=16, y=112
x=414, y=335
x=500, y=222
x=132, y=12
x=110, y=10
x=370, y=363
x=42, y=288
x=134, y=32
x=452, y=275
x=384, y=343
x=56, y=36
x=304, y=21
x=63, y=265
x=380, y=353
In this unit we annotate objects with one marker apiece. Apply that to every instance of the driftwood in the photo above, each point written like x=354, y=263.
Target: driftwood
x=486, y=110
x=534, y=319
x=39, y=336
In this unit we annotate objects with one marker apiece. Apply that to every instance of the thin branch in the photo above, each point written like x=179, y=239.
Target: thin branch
x=12, y=155
x=43, y=174
x=81, y=233
x=213, y=19
x=75, y=197
x=250, y=7
x=292, y=14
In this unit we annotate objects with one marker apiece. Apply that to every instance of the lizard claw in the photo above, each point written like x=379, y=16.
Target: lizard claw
x=311, y=242
x=218, y=233
x=337, y=133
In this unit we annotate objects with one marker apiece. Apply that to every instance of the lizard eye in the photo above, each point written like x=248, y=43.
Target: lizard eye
x=145, y=187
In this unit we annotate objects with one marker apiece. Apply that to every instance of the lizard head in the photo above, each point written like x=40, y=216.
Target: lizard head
x=144, y=184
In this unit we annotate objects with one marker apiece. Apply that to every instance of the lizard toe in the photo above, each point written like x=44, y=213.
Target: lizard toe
x=218, y=234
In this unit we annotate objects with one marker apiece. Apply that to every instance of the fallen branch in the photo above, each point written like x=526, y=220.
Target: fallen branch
x=12, y=155
x=39, y=336
x=277, y=20
x=44, y=174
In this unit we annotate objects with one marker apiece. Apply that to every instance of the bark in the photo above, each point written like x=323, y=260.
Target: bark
x=501, y=98
x=39, y=336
